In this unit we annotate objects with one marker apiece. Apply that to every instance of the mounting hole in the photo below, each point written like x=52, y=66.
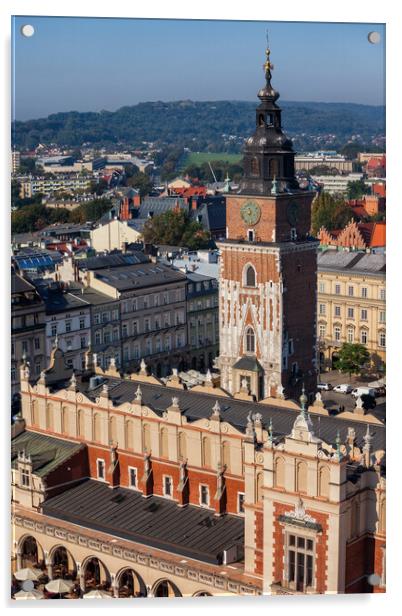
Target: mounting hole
x=374, y=579
x=27, y=30
x=374, y=37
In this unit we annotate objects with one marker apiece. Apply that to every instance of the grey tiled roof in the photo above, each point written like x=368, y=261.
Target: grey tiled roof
x=112, y=260
x=46, y=452
x=139, y=276
x=351, y=262
x=195, y=405
x=155, y=521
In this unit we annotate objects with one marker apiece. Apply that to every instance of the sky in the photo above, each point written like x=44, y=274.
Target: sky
x=90, y=64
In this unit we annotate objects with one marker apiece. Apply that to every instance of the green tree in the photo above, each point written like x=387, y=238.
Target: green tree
x=357, y=189
x=330, y=212
x=91, y=210
x=176, y=229
x=352, y=358
x=140, y=181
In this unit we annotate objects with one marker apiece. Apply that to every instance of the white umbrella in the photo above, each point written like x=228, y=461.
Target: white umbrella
x=28, y=574
x=97, y=594
x=26, y=595
x=59, y=586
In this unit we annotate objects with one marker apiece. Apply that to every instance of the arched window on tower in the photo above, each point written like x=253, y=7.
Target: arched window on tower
x=250, y=277
x=273, y=168
x=250, y=340
x=255, y=166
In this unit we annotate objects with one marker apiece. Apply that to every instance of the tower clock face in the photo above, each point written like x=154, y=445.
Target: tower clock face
x=292, y=213
x=250, y=212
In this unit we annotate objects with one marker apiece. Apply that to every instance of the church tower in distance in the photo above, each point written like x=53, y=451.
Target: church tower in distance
x=267, y=300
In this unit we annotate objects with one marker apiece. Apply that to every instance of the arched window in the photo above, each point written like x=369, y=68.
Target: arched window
x=146, y=438
x=130, y=434
x=255, y=166
x=301, y=477
x=182, y=446
x=97, y=432
x=113, y=429
x=273, y=168
x=250, y=278
x=35, y=413
x=64, y=420
x=164, y=444
x=250, y=340
x=323, y=481
x=81, y=422
x=226, y=455
x=258, y=487
x=49, y=417
x=280, y=472
x=206, y=452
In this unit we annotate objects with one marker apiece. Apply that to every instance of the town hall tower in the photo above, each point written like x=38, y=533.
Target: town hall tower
x=268, y=272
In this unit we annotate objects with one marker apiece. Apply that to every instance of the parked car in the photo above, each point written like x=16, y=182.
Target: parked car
x=324, y=386
x=343, y=388
x=363, y=391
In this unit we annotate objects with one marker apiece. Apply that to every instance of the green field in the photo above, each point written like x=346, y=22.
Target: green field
x=198, y=158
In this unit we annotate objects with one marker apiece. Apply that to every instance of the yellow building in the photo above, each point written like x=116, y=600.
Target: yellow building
x=351, y=304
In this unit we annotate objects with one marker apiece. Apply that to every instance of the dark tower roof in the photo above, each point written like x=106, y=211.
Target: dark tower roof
x=268, y=153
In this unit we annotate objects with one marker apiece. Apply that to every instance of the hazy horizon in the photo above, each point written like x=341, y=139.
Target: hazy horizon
x=89, y=64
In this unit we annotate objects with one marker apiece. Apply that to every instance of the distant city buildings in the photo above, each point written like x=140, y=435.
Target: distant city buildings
x=330, y=159
x=351, y=298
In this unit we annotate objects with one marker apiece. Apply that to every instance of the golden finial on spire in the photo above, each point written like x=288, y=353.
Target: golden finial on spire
x=268, y=66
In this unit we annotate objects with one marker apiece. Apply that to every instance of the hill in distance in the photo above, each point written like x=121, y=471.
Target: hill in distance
x=196, y=125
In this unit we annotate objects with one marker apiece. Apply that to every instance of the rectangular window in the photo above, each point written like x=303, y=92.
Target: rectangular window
x=25, y=478
x=100, y=466
x=300, y=562
x=204, y=495
x=132, y=477
x=68, y=326
x=381, y=316
x=106, y=337
x=240, y=502
x=105, y=317
x=83, y=342
x=135, y=327
x=115, y=315
x=54, y=330
x=337, y=333
x=167, y=486
x=82, y=323
x=134, y=304
x=337, y=311
x=156, y=299
x=157, y=323
x=149, y=346
x=351, y=313
x=382, y=295
x=337, y=289
x=96, y=318
x=126, y=355
x=363, y=337
x=363, y=315
x=124, y=330
x=322, y=287
x=146, y=301
x=166, y=298
x=322, y=330
x=37, y=344
x=25, y=346
x=97, y=338
x=136, y=352
x=364, y=292
x=322, y=309
x=382, y=339
x=115, y=334
x=147, y=325
x=350, y=291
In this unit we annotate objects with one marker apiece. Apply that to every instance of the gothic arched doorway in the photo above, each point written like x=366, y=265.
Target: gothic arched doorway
x=95, y=575
x=130, y=584
x=165, y=588
x=63, y=563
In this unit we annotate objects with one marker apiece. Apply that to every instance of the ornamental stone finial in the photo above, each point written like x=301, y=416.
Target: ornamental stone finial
x=138, y=394
x=175, y=402
x=216, y=410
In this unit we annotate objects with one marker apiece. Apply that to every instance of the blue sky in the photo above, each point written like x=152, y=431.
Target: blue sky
x=89, y=64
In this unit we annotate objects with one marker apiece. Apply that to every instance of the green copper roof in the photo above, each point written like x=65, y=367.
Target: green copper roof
x=46, y=452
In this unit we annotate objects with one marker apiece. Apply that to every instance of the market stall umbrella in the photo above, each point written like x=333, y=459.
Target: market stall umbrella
x=28, y=574
x=97, y=594
x=27, y=595
x=59, y=586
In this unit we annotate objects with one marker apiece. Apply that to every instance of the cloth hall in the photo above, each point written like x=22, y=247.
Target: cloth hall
x=243, y=485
